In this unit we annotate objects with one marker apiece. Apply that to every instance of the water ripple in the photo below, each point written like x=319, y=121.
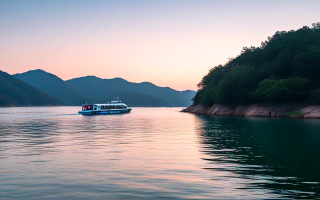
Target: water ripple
x=159, y=153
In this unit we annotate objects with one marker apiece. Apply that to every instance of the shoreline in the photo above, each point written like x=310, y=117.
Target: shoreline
x=258, y=110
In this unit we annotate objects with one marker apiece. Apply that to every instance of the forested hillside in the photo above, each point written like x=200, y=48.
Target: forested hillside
x=14, y=92
x=283, y=69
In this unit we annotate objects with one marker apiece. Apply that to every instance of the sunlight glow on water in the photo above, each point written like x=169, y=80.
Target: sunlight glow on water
x=53, y=153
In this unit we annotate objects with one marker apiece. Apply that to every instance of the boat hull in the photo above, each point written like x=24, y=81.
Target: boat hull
x=104, y=112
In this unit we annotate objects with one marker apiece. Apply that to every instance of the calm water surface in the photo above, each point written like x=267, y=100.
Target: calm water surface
x=52, y=153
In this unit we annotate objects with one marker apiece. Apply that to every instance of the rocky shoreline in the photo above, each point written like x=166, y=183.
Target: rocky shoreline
x=258, y=110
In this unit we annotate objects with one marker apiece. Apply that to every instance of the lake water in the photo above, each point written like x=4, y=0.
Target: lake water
x=53, y=153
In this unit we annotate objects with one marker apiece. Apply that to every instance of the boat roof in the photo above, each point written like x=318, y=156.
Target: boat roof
x=100, y=104
x=117, y=101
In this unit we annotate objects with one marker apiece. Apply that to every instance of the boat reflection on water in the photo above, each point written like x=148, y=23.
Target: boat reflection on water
x=281, y=155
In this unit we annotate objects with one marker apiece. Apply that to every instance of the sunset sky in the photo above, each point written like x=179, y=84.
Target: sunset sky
x=169, y=43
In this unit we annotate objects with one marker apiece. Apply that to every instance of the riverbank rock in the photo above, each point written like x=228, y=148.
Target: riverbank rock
x=257, y=110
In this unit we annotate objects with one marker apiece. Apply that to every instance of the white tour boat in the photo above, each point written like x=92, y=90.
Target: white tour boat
x=115, y=107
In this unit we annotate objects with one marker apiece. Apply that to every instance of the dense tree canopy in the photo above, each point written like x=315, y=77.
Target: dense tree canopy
x=285, y=68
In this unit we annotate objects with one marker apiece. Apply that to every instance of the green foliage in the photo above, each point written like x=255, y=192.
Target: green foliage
x=207, y=96
x=238, y=86
x=285, y=68
x=281, y=91
x=265, y=90
x=214, y=76
x=307, y=64
x=315, y=97
x=295, y=114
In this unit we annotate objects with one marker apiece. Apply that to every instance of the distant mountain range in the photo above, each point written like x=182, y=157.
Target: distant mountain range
x=97, y=88
x=14, y=92
x=92, y=89
x=53, y=85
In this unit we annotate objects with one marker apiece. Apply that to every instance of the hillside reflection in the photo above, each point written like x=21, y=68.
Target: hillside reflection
x=281, y=155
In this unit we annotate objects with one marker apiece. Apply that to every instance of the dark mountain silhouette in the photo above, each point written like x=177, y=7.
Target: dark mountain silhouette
x=134, y=99
x=53, y=85
x=95, y=87
x=96, y=90
x=14, y=92
x=190, y=93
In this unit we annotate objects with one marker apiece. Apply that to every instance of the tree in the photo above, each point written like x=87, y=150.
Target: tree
x=285, y=68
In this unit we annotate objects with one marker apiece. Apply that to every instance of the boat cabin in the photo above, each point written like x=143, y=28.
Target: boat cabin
x=114, y=107
x=107, y=106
